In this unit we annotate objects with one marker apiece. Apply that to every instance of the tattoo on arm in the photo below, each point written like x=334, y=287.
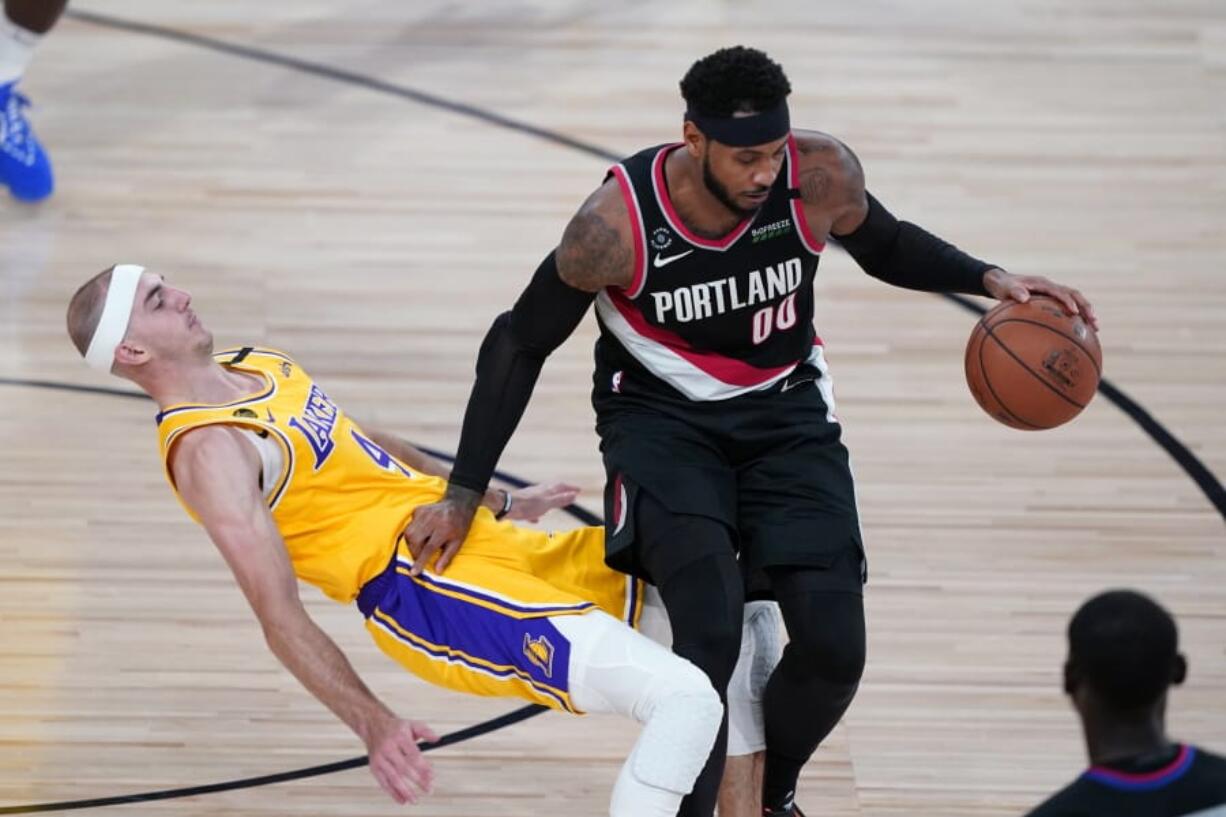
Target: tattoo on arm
x=814, y=185
x=592, y=254
x=834, y=175
x=466, y=498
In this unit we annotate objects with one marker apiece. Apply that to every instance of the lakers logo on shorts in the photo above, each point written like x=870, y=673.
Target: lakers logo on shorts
x=540, y=652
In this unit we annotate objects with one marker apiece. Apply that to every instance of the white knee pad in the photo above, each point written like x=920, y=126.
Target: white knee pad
x=615, y=669
x=761, y=649
x=677, y=740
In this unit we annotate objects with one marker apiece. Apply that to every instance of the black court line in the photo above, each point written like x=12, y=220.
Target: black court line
x=1200, y=474
x=340, y=75
x=1205, y=479
x=458, y=736
x=1191, y=464
x=578, y=512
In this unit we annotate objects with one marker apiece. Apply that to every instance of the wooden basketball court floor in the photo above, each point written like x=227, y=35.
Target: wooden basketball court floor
x=375, y=237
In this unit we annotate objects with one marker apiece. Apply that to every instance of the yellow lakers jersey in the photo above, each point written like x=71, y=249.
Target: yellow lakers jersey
x=341, y=503
x=340, y=500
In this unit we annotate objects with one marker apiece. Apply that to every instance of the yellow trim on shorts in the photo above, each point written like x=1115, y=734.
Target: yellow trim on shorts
x=467, y=658
x=560, y=609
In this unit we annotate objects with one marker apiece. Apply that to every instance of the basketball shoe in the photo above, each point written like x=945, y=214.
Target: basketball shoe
x=25, y=168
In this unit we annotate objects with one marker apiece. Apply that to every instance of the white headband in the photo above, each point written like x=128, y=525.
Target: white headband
x=120, y=297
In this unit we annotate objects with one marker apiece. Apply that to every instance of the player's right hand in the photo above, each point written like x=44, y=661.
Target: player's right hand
x=396, y=760
x=439, y=529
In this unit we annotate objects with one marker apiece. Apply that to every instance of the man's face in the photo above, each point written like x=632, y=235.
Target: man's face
x=163, y=322
x=741, y=177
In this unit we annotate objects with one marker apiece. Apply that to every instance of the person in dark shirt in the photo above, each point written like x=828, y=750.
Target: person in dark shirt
x=1123, y=658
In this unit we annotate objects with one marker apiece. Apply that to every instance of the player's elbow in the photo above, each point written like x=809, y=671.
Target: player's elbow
x=514, y=335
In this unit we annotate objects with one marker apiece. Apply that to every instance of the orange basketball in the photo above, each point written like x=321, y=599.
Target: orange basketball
x=1033, y=365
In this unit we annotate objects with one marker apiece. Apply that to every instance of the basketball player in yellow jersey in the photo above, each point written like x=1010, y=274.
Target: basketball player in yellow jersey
x=287, y=485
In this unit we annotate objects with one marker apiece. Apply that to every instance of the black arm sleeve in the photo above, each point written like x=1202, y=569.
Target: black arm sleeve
x=905, y=255
x=508, y=364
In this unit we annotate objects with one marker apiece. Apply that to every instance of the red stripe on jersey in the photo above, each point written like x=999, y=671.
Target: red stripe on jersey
x=798, y=209
x=636, y=228
x=1141, y=777
x=725, y=369
x=674, y=220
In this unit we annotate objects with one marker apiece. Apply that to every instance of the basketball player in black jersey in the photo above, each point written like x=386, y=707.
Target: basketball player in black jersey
x=714, y=406
x=1123, y=658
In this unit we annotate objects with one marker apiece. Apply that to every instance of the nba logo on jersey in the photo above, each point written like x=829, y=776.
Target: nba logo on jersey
x=617, y=382
x=540, y=652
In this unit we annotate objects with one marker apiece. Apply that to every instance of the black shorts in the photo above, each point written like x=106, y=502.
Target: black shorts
x=769, y=465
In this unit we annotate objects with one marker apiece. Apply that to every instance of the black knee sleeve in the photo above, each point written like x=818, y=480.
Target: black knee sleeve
x=693, y=562
x=705, y=602
x=825, y=630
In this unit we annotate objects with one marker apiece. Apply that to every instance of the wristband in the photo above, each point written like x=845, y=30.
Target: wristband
x=506, y=504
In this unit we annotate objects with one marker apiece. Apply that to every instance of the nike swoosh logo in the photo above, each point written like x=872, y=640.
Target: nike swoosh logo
x=788, y=385
x=661, y=261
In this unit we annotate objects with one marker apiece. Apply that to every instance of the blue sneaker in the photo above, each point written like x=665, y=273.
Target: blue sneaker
x=25, y=168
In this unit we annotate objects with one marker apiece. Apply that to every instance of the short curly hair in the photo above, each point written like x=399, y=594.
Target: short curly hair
x=1125, y=644
x=734, y=80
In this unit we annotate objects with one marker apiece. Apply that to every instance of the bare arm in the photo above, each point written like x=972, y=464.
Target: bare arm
x=831, y=184
x=216, y=474
x=899, y=252
x=596, y=250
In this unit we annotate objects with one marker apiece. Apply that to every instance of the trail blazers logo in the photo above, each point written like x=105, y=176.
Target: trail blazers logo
x=540, y=652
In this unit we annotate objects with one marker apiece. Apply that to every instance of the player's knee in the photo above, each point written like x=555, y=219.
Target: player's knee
x=705, y=602
x=680, y=732
x=844, y=665
x=763, y=635
x=697, y=705
x=692, y=686
x=832, y=654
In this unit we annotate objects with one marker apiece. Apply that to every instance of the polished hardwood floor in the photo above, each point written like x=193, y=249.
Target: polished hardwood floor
x=375, y=237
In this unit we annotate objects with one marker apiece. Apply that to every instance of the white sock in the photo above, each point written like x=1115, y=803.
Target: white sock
x=16, y=49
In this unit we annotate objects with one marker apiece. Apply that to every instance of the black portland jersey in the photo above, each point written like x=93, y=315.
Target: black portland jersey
x=712, y=318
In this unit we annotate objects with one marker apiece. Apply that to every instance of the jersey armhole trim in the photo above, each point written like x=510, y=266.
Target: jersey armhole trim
x=812, y=244
x=287, y=462
x=638, y=233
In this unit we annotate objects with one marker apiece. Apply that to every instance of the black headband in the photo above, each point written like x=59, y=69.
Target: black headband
x=745, y=131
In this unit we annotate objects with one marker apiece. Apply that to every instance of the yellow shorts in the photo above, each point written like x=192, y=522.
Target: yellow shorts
x=483, y=627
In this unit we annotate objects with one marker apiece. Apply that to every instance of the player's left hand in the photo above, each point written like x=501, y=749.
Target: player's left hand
x=1002, y=286
x=531, y=503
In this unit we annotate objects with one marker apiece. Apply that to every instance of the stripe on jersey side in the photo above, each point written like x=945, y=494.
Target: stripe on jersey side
x=697, y=375
x=817, y=359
